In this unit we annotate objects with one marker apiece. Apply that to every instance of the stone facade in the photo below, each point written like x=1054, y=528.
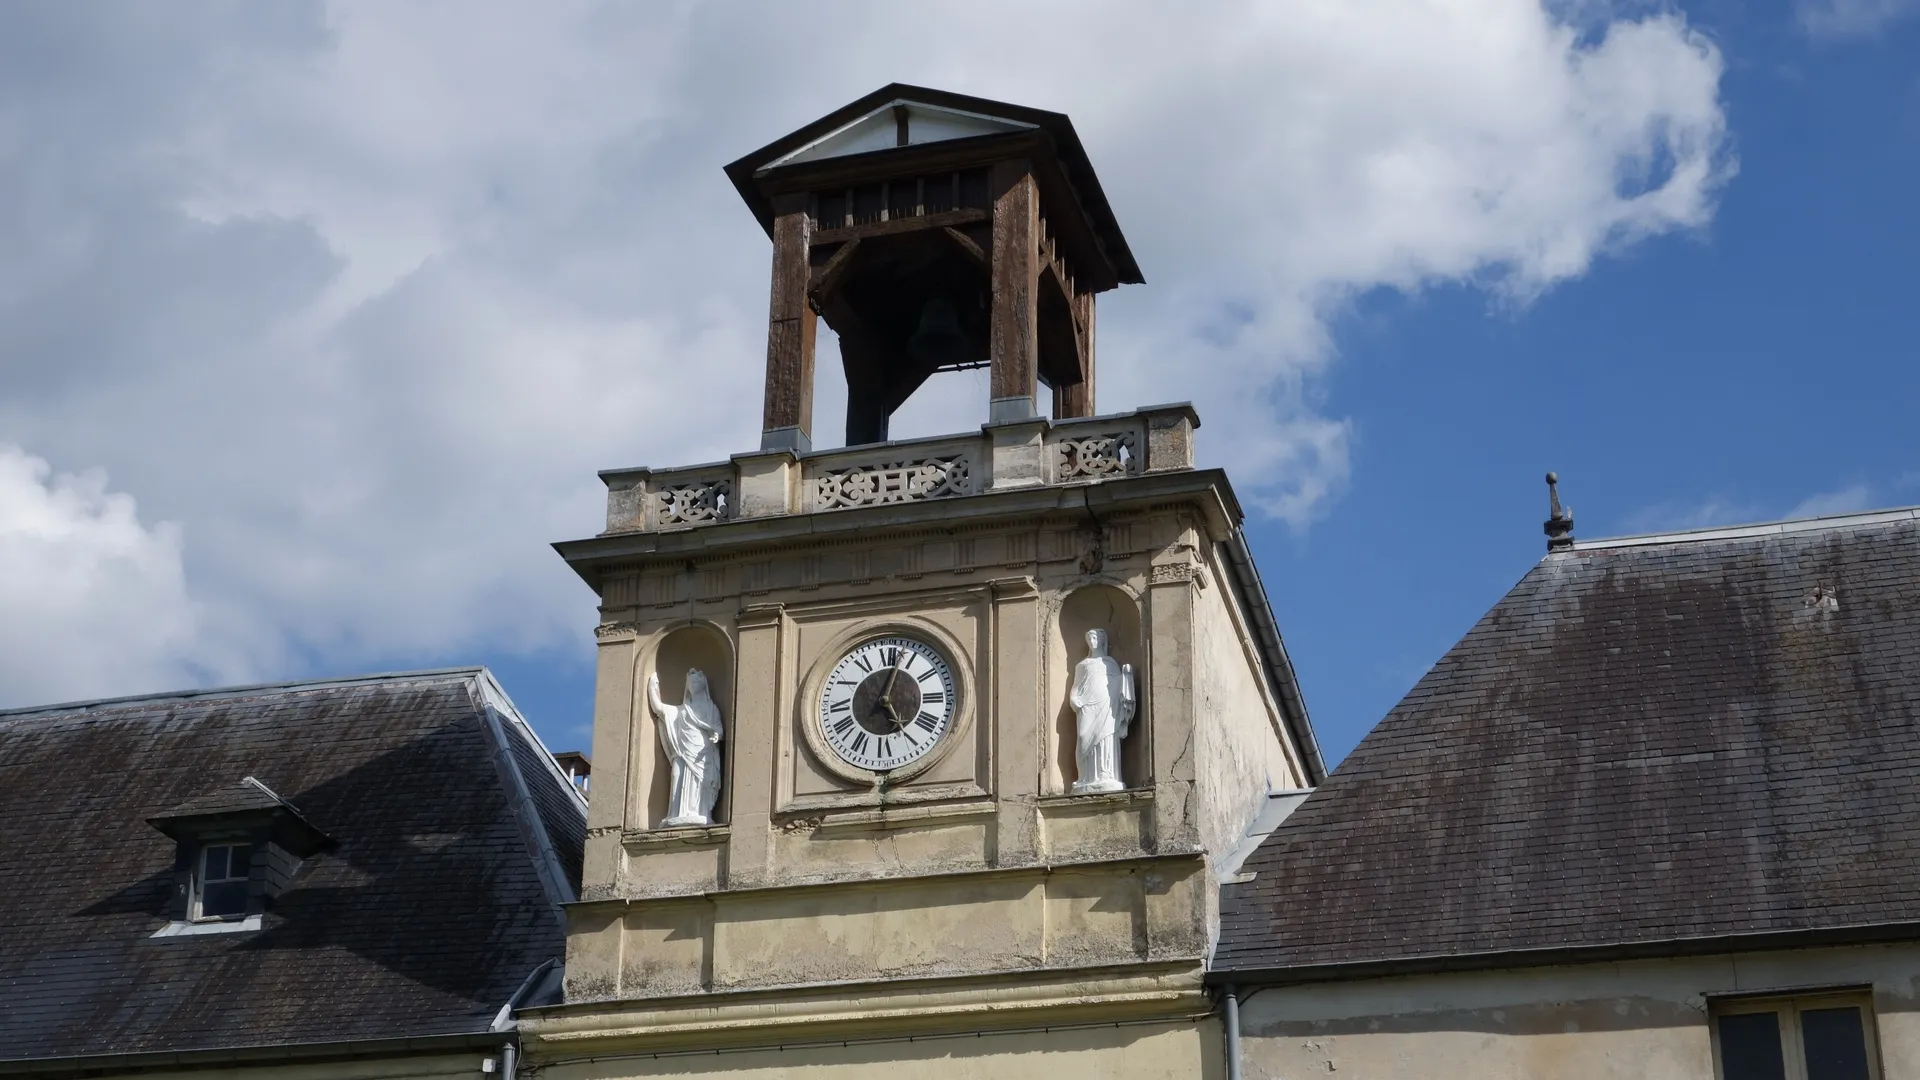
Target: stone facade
x=1629, y=1020
x=969, y=892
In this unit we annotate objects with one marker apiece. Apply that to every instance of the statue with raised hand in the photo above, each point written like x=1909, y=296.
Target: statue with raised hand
x=690, y=733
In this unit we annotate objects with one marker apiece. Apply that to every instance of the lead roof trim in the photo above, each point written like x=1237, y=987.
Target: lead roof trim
x=247, y=689
x=1764, y=528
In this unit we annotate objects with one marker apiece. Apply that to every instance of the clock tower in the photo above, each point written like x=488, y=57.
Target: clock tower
x=925, y=749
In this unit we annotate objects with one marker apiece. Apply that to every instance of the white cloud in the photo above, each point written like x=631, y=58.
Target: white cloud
x=92, y=602
x=1846, y=500
x=1679, y=515
x=1716, y=511
x=1852, y=18
x=363, y=293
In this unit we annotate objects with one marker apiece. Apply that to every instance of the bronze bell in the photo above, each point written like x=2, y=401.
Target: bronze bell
x=938, y=342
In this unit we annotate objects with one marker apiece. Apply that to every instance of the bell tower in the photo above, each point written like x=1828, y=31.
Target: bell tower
x=931, y=737
x=933, y=232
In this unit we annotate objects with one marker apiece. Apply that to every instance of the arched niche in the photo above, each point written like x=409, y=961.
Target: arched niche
x=1095, y=607
x=700, y=646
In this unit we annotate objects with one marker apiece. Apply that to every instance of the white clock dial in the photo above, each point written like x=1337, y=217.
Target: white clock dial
x=886, y=703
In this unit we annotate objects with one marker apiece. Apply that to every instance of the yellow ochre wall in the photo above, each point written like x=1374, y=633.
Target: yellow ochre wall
x=1188, y=1050
x=1637, y=1020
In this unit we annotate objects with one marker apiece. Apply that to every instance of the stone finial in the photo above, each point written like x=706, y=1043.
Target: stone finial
x=1559, y=525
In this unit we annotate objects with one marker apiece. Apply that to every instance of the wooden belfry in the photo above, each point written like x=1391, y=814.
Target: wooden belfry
x=934, y=232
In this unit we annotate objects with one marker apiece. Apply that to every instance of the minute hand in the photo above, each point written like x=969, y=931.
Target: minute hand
x=886, y=694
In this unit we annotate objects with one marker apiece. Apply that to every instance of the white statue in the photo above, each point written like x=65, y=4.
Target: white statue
x=1103, y=704
x=690, y=732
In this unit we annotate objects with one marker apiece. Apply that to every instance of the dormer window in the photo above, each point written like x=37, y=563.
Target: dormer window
x=220, y=888
x=239, y=846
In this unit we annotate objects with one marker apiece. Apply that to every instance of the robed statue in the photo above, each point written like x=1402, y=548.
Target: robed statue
x=1103, y=707
x=690, y=733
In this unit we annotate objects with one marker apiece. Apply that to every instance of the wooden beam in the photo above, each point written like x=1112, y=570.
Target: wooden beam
x=900, y=225
x=1076, y=398
x=787, y=414
x=1013, y=340
x=824, y=280
x=968, y=248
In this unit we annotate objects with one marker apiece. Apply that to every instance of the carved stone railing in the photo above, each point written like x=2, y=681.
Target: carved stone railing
x=646, y=500
x=693, y=504
x=1096, y=449
x=1002, y=456
x=934, y=476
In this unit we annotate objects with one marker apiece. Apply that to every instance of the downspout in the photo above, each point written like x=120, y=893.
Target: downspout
x=510, y=1053
x=1232, y=1001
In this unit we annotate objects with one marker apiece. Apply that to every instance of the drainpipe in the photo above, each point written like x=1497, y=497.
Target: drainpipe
x=1233, y=1035
x=510, y=1053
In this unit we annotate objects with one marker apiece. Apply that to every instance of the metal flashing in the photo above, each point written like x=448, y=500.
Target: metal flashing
x=494, y=705
x=1557, y=956
x=324, y=683
x=194, y=929
x=1765, y=528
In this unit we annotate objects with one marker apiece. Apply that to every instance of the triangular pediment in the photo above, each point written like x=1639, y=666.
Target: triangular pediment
x=880, y=129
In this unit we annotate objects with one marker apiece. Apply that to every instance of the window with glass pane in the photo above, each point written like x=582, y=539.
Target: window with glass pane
x=223, y=880
x=1818, y=1037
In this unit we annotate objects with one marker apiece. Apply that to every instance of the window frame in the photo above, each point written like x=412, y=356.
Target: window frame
x=1788, y=1006
x=195, y=911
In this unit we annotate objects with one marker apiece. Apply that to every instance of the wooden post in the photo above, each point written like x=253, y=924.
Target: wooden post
x=1013, y=341
x=1076, y=398
x=788, y=417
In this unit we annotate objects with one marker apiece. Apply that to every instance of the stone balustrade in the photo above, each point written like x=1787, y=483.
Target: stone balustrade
x=1002, y=456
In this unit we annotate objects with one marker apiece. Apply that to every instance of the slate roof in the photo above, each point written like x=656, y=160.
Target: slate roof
x=1654, y=741
x=456, y=841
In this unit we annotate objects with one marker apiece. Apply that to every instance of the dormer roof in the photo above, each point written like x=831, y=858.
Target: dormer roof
x=243, y=804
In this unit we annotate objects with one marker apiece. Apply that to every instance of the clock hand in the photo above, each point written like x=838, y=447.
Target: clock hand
x=886, y=695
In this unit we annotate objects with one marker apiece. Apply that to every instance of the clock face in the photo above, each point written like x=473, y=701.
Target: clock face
x=886, y=703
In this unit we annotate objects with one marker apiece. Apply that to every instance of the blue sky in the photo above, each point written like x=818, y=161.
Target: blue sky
x=317, y=319
x=1762, y=367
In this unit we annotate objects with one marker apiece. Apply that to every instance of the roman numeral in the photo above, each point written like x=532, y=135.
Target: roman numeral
x=891, y=655
x=933, y=697
x=928, y=720
x=860, y=743
x=843, y=725
x=862, y=661
x=841, y=706
x=886, y=749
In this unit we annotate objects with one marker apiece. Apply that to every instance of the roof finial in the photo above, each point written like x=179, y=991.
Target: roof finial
x=1559, y=520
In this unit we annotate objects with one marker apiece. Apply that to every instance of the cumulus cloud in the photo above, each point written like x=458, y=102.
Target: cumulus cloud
x=364, y=293
x=1852, y=18
x=94, y=602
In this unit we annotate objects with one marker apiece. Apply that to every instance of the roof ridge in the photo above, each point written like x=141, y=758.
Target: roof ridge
x=1854, y=519
x=499, y=713
x=317, y=683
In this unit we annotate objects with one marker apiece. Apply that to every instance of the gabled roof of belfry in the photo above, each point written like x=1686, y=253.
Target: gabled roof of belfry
x=866, y=126
x=1653, y=745
x=453, y=839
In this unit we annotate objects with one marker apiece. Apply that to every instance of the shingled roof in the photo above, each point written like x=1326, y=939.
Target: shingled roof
x=1663, y=743
x=454, y=839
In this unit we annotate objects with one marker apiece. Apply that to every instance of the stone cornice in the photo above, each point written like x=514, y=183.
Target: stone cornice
x=847, y=1012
